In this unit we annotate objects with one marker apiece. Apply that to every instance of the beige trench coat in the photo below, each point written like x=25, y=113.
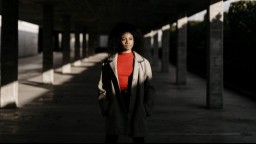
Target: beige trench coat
x=119, y=119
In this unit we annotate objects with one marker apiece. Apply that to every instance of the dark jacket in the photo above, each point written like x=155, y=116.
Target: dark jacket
x=119, y=119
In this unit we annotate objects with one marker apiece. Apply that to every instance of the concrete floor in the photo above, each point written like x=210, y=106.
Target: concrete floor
x=68, y=111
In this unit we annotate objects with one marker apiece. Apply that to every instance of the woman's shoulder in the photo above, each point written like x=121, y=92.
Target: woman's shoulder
x=140, y=57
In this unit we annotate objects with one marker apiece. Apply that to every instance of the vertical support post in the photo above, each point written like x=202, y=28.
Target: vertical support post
x=84, y=45
x=88, y=46
x=215, y=55
x=9, y=55
x=165, y=48
x=155, y=50
x=181, y=69
x=48, y=44
x=148, y=47
x=77, y=61
x=66, y=60
x=56, y=41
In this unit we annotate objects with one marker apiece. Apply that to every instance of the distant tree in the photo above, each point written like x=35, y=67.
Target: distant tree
x=240, y=43
x=242, y=21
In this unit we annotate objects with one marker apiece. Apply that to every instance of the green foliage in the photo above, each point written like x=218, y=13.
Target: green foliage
x=242, y=20
x=240, y=44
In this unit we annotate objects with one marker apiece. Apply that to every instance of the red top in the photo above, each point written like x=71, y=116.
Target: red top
x=124, y=69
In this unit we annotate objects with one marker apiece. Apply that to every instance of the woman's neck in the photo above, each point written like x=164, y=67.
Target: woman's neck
x=127, y=51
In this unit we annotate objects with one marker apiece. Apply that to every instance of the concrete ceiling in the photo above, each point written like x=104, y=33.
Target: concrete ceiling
x=99, y=16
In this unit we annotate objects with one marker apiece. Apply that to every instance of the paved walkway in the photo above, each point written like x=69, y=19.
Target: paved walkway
x=68, y=111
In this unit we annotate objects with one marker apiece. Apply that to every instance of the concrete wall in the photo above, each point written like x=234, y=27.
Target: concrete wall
x=28, y=43
x=28, y=39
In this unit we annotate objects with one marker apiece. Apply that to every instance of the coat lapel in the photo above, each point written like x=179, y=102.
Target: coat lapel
x=137, y=62
x=135, y=80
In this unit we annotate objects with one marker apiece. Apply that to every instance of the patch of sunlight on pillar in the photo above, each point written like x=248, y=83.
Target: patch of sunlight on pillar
x=87, y=40
x=60, y=39
x=81, y=36
x=159, y=38
x=72, y=42
x=48, y=77
x=77, y=63
x=9, y=95
x=198, y=16
x=152, y=34
x=84, y=59
x=216, y=11
x=182, y=22
x=165, y=27
x=147, y=35
x=66, y=68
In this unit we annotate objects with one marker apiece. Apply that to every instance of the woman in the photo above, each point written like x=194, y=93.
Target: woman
x=125, y=91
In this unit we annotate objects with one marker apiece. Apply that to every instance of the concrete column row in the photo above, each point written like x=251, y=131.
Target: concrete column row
x=214, y=95
x=9, y=50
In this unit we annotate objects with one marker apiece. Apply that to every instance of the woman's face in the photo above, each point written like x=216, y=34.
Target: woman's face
x=127, y=41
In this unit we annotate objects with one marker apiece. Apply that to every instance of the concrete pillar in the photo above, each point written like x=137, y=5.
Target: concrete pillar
x=148, y=47
x=165, y=48
x=181, y=69
x=93, y=43
x=56, y=41
x=215, y=55
x=155, y=50
x=47, y=44
x=40, y=40
x=66, y=60
x=77, y=61
x=84, y=45
x=9, y=55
